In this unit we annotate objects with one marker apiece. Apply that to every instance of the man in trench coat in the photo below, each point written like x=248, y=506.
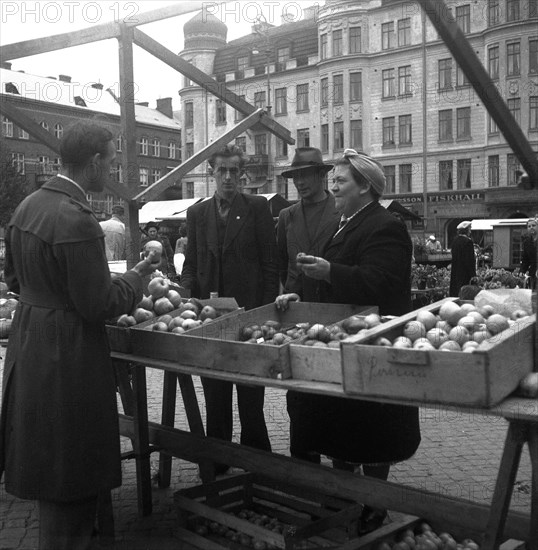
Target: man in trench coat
x=59, y=434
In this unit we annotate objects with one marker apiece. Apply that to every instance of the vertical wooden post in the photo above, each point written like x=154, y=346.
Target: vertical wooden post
x=128, y=132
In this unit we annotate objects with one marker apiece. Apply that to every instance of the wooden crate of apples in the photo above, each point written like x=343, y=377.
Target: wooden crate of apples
x=448, y=352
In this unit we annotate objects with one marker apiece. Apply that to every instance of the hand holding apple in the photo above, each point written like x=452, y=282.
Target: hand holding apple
x=146, y=266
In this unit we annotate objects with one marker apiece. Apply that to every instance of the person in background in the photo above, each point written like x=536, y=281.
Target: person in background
x=163, y=237
x=367, y=262
x=114, y=230
x=463, y=267
x=59, y=435
x=528, y=252
x=152, y=234
x=181, y=247
x=231, y=249
x=433, y=246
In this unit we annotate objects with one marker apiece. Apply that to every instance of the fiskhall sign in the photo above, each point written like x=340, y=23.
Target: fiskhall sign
x=439, y=197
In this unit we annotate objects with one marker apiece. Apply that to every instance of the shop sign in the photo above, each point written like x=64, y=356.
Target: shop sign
x=439, y=197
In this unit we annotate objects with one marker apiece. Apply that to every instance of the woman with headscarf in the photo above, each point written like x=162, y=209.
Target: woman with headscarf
x=367, y=262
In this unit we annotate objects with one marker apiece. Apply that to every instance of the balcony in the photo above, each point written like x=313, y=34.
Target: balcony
x=257, y=160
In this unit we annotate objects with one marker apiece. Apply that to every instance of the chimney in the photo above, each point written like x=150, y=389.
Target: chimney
x=97, y=86
x=6, y=65
x=164, y=106
x=64, y=78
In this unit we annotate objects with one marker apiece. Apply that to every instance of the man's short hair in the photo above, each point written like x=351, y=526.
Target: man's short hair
x=228, y=151
x=82, y=141
x=118, y=209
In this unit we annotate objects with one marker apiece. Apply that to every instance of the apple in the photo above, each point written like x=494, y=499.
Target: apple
x=279, y=338
x=208, y=312
x=518, y=314
x=480, y=335
x=175, y=297
x=402, y=342
x=158, y=287
x=382, y=341
x=467, y=308
x=188, y=314
x=175, y=322
x=414, y=330
x=353, y=324
x=178, y=330
x=318, y=332
x=190, y=323
x=126, y=320
x=437, y=336
x=141, y=314
x=154, y=246
x=160, y=327
x=423, y=344
x=191, y=306
x=450, y=345
x=319, y=344
x=165, y=319
x=528, y=386
x=269, y=332
x=274, y=324
x=427, y=318
x=468, y=322
x=443, y=325
x=496, y=323
x=460, y=335
x=372, y=320
x=477, y=316
x=469, y=346
x=146, y=303
x=162, y=305
x=334, y=344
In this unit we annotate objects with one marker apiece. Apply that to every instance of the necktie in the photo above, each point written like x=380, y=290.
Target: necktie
x=224, y=209
x=343, y=221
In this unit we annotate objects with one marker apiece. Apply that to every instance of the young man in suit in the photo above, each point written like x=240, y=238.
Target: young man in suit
x=231, y=249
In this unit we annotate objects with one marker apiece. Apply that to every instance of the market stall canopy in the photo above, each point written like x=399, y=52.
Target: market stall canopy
x=487, y=225
x=394, y=206
x=158, y=210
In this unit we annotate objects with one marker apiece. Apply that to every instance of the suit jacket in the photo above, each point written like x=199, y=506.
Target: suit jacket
x=292, y=238
x=463, y=263
x=247, y=263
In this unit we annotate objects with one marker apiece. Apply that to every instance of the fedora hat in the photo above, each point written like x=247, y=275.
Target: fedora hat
x=304, y=158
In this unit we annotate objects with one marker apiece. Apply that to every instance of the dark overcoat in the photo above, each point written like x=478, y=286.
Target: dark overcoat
x=463, y=263
x=293, y=237
x=59, y=437
x=248, y=268
x=370, y=265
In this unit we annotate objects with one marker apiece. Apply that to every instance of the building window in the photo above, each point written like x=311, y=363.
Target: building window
x=220, y=107
x=404, y=80
x=512, y=10
x=405, y=133
x=445, y=125
x=58, y=131
x=259, y=100
x=494, y=12
x=445, y=175
x=463, y=18
x=189, y=190
x=44, y=160
x=389, y=138
x=533, y=112
x=406, y=184
x=463, y=123
x=172, y=150
x=155, y=175
x=242, y=62
x=461, y=77
x=388, y=78
x=282, y=186
x=387, y=35
x=144, y=176
x=390, y=179
x=238, y=115
x=513, y=59
x=241, y=142
x=17, y=161
x=189, y=149
x=514, y=106
x=23, y=134
x=303, y=137
x=355, y=40
x=493, y=62
x=493, y=170
x=143, y=146
x=355, y=134
x=355, y=86
x=324, y=92
x=155, y=149
x=338, y=88
x=464, y=174
x=512, y=168
x=533, y=8
x=189, y=114
x=324, y=137
x=445, y=74
x=45, y=125
x=337, y=43
x=338, y=136
x=283, y=54
x=404, y=31
x=260, y=144
x=281, y=148
x=281, y=106
x=323, y=46
x=492, y=126
x=119, y=173
x=119, y=143
x=533, y=56
x=7, y=127
x=302, y=97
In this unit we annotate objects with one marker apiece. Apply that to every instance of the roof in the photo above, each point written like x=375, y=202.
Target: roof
x=487, y=225
x=395, y=206
x=70, y=94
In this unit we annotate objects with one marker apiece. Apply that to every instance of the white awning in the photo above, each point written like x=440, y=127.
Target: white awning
x=154, y=211
x=487, y=225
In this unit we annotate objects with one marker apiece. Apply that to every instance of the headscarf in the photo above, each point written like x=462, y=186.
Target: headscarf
x=369, y=169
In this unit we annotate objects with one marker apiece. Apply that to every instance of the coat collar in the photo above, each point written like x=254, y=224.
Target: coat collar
x=64, y=186
x=355, y=222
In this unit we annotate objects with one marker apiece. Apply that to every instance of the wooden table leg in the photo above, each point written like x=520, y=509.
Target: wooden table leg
x=196, y=426
x=141, y=440
x=500, y=503
x=167, y=419
x=124, y=386
x=533, y=449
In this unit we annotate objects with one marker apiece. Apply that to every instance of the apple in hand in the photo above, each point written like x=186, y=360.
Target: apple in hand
x=157, y=247
x=158, y=287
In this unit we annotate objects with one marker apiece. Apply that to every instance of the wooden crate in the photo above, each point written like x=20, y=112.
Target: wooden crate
x=479, y=379
x=217, y=345
x=119, y=338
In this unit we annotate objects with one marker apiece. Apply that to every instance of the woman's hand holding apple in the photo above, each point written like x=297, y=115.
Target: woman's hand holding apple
x=148, y=265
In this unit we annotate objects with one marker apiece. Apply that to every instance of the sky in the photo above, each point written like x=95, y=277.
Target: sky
x=98, y=62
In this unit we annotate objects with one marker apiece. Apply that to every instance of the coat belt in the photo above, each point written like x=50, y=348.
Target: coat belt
x=40, y=299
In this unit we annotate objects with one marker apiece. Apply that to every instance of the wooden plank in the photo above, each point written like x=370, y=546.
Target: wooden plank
x=533, y=450
x=337, y=519
x=383, y=494
x=179, y=171
x=197, y=541
x=168, y=413
x=455, y=40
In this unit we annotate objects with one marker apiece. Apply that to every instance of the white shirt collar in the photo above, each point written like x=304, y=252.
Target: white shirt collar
x=346, y=219
x=73, y=182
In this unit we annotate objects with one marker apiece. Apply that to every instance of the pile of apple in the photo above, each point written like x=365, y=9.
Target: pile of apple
x=455, y=328
x=423, y=537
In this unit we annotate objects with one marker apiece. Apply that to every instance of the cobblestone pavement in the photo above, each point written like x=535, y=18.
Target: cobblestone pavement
x=459, y=456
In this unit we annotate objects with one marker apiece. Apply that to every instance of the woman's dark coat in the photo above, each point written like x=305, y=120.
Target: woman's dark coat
x=59, y=437
x=463, y=267
x=370, y=265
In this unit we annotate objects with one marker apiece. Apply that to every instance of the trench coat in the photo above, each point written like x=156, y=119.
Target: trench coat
x=370, y=265
x=59, y=435
x=463, y=267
